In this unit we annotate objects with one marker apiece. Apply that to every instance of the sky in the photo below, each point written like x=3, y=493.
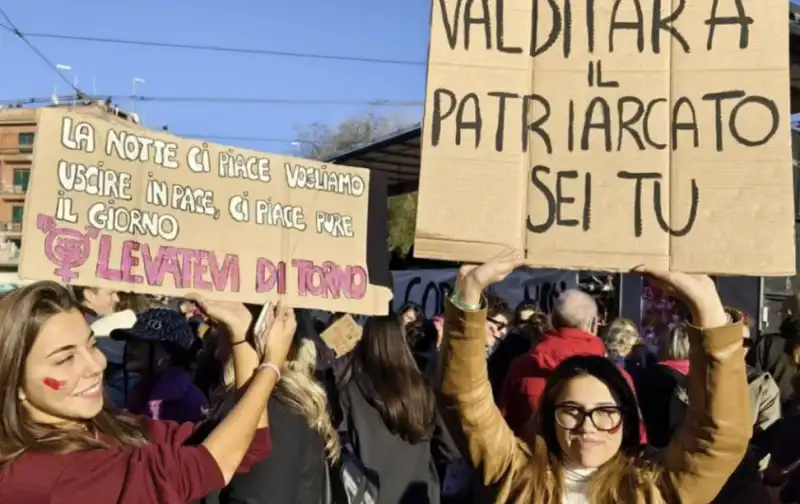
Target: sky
x=362, y=28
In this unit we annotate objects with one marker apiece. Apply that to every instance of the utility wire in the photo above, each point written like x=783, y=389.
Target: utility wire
x=190, y=136
x=221, y=99
x=22, y=36
x=213, y=48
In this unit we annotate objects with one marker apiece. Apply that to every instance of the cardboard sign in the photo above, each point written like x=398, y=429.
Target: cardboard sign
x=604, y=135
x=111, y=204
x=342, y=336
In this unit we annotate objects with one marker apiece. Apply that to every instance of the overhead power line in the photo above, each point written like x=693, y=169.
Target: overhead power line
x=221, y=99
x=22, y=36
x=190, y=136
x=214, y=48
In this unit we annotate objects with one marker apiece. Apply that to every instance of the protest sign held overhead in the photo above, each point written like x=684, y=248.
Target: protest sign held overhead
x=111, y=204
x=604, y=135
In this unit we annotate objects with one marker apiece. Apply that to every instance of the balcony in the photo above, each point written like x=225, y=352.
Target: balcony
x=21, y=155
x=12, y=191
x=11, y=227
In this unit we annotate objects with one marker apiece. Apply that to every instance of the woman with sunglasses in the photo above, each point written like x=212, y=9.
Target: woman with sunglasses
x=587, y=450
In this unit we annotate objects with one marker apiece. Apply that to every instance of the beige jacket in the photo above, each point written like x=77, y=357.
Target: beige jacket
x=695, y=465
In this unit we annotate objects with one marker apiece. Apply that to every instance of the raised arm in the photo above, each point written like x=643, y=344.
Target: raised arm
x=229, y=442
x=465, y=381
x=718, y=425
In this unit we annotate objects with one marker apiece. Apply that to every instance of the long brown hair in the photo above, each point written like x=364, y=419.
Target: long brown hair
x=404, y=399
x=22, y=314
x=626, y=477
x=298, y=390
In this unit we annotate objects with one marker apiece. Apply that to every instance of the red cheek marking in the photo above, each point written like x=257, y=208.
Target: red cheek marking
x=53, y=383
x=615, y=429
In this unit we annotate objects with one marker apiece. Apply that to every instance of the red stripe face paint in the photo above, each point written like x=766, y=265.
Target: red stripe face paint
x=53, y=383
x=615, y=429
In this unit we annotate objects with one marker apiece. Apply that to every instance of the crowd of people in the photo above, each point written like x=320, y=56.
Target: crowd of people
x=123, y=398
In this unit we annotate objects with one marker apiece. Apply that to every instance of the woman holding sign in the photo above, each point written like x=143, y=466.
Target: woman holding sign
x=587, y=446
x=60, y=443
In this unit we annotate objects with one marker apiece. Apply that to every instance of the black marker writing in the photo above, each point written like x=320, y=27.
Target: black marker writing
x=626, y=123
x=470, y=101
x=536, y=125
x=684, y=103
x=742, y=19
x=501, y=119
x=658, y=203
x=637, y=25
x=768, y=104
x=598, y=106
x=557, y=201
x=501, y=34
x=484, y=20
x=551, y=21
x=466, y=114
x=555, y=31
x=596, y=68
x=665, y=25
x=601, y=125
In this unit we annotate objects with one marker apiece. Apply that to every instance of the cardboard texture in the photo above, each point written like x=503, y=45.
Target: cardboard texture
x=342, y=336
x=622, y=141
x=111, y=204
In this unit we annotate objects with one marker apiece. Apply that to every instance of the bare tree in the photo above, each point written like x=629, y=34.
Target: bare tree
x=318, y=141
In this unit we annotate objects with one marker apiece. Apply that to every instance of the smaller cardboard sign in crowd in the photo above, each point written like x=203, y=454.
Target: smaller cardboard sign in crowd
x=605, y=135
x=112, y=204
x=343, y=335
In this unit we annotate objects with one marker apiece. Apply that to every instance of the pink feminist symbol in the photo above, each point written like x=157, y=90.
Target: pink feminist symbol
x=64, y=247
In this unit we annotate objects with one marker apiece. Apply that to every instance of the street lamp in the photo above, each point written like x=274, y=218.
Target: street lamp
x=136, y=80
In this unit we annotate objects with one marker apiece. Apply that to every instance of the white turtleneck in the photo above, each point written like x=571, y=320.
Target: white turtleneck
x=576, y=485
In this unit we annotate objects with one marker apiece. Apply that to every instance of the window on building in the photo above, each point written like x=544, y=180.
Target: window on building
x=26, y=142
x=16, y=214
x=21, y=178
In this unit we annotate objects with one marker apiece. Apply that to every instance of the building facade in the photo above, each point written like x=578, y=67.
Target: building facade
x=17, y=134
x=17, y=138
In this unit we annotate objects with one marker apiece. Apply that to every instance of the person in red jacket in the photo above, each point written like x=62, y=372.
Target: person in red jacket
x=60, y=443
x=574, y=321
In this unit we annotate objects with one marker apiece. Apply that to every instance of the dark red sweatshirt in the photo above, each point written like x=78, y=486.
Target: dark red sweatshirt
x=165, y=472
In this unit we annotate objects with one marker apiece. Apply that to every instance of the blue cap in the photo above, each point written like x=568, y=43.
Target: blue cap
x=160, y=325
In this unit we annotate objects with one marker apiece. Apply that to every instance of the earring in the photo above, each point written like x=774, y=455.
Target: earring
x=22, y=396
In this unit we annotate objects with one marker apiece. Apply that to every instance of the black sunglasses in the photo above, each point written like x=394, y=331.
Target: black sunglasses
x=604, y=418
x=500, y=324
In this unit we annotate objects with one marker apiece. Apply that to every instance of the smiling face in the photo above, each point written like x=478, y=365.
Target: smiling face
x=588, y=422
x=63, y=377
